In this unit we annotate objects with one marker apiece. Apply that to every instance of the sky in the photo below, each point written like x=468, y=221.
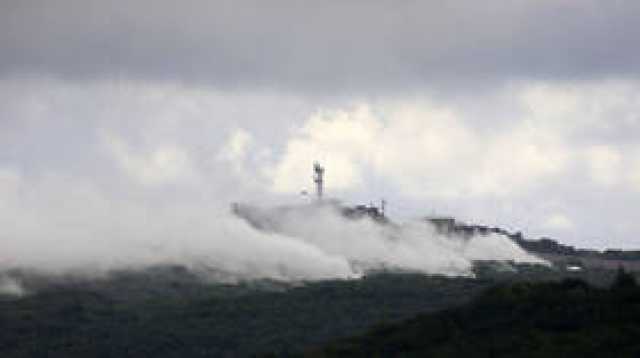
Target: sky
x=520, y=114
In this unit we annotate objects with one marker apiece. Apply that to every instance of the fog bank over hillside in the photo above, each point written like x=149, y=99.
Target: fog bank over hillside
x=85, y=231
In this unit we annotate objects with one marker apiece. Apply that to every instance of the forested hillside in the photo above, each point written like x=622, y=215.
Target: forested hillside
x=560, y=319
x=173, y=312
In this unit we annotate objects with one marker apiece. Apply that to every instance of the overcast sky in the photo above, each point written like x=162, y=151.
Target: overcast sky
x=524, y=114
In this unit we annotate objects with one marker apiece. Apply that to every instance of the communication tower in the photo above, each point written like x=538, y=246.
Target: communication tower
x=318, y=178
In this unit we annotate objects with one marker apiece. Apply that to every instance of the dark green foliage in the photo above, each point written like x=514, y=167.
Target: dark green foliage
x=172, y=312
x=561, y=319
x=624, y=280
x=98, y=319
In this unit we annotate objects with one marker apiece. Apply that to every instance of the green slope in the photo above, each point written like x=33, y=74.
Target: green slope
x=561, y=319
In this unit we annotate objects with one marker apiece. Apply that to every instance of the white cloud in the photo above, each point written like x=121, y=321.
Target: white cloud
x=425, y=150
x=235, y=153
x=240, y=154
x=165, y=164
x=559, y=221
x=434, y=149
x=605, y=165
x=515, y=147
x=237, y=146
x=344, y=138
x=634, y=170
x=9, y=183
x=518, y=158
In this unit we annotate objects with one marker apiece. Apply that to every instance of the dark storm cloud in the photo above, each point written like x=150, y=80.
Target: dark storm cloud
x=303, y=45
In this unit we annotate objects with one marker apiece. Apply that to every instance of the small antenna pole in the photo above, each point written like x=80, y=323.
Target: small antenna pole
x=383, y=204
x=318, y=178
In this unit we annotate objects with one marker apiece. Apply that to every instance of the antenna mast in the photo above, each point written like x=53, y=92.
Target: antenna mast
x=318, y=178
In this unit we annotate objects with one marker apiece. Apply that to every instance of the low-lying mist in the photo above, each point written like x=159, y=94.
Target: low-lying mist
x=93, y=236
x=370, y=245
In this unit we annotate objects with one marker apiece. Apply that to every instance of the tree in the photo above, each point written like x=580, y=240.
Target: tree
x=624, y=280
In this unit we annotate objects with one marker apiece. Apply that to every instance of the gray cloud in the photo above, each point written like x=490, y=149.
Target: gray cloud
x=188, y=105
x=323, y=45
